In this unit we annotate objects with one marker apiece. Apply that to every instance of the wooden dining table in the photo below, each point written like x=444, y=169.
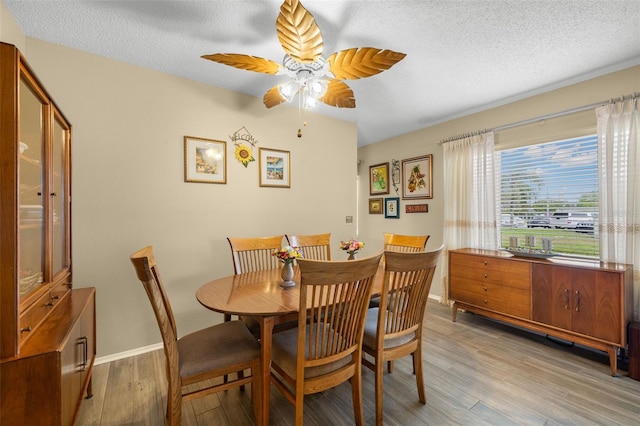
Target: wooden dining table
x=260, y=296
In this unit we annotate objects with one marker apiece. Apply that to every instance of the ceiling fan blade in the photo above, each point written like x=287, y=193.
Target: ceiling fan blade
x=355, y=63
x=298, y=32
x=339, y=94
x=245, y=62
x=273, y=97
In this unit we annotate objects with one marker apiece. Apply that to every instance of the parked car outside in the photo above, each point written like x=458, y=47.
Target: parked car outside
x=539, y=222
x=509, y=220
x=569, y=220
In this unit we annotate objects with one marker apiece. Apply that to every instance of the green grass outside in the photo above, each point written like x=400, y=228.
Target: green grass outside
x=564, y=241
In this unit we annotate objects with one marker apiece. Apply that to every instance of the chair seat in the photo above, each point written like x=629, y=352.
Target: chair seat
x=285, y=345
x=201, y=351
x=371, y=327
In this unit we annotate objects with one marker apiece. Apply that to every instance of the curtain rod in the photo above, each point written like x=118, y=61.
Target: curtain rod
x=542, y=117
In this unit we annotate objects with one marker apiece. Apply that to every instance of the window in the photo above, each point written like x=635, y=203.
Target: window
x=550, y=190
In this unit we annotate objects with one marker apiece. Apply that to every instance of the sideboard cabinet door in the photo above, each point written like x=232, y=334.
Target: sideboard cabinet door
x=581, y=300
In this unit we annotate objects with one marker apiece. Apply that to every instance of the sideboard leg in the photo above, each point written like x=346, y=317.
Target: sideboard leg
x=613, y=360
x=454, y=312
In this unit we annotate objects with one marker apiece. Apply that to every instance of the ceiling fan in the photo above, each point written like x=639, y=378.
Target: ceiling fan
x=312, y=76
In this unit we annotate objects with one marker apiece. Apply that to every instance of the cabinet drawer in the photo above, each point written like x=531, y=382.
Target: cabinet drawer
x=34, y=315
x=507, y=300
x=516, y=279
x=508, y=265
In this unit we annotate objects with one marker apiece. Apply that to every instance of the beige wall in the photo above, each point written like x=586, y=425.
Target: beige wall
x=129, y=189
x=10, y=32
x=426, y=141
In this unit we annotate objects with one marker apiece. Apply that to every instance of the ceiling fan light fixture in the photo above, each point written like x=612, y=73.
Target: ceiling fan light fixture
x=317, y=87
x=289, y=90
x=313, y=76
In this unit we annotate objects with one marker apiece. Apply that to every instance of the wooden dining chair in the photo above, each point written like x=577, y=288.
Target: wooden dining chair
x=314, y=247
x=394, y=330
x=254, y=254
x=405, y=243
x=200, y=357
x=325, y=349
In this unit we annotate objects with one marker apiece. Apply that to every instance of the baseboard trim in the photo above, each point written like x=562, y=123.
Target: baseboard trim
x=143, y=350
x=126, y=354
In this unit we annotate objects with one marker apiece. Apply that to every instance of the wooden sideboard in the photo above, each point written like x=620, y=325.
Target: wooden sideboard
x=582, y=301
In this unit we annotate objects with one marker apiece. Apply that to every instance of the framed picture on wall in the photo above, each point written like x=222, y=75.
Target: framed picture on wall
x=375, y=206
x=392, y=208
x=275, y=168
x=379, y=179
x=417, y=177
x=205, y=160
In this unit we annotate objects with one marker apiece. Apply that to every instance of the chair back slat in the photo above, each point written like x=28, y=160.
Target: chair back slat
x=254, y=254
x=405, y=243
x=314, y=247
x=336, y=295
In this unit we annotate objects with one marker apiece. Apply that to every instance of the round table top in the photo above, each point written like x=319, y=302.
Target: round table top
x=258, y=293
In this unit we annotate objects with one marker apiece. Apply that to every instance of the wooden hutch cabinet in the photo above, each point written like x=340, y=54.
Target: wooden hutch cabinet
x=586, y=302
x=47, y=330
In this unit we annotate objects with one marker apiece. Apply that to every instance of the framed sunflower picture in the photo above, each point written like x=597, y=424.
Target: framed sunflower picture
x=275, y=168
x=205, y=160
x=417, y=177
x=379, y=179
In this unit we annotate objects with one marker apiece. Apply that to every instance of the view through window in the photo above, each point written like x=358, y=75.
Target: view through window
x=550, y=191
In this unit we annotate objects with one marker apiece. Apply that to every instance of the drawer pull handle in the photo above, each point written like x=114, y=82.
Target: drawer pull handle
x=577, y=301
x=485, y=301
x=49, y=303
x=25, y=329
x=566, y=298
x=485, y=275
x=84, y=341
x=485, y=263
x=484, y=288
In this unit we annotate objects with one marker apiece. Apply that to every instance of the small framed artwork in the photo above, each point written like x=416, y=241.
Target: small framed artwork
x=275, y=168
x=205, y=160
x=392, y=208
x=375, y=206
x=379, y=179
x=417, y=177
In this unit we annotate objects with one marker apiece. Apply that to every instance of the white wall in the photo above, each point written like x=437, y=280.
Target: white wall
x=129, y=189
x=426, y=141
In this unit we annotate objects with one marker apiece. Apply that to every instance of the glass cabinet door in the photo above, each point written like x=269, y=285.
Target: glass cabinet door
x=59, y=194
x=31, y=199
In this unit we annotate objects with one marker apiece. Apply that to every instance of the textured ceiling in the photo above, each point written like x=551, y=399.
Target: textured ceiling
x=462, y=56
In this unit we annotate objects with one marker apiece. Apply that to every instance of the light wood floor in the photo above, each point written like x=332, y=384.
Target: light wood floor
x=477, y=372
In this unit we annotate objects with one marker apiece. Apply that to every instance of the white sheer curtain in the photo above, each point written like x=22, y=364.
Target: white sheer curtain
x=470, y=200
x=618, y=162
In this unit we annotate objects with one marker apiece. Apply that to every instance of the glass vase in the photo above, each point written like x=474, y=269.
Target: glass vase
x=287, y=275
x=352, y=256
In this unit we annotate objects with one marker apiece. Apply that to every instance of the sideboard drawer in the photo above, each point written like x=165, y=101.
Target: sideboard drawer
x=495, y=297
x=519, y=277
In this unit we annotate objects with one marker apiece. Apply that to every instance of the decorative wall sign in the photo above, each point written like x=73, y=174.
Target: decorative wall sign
x=205, y=160
x=244, y=143
x=375, y=206
x=392, y=208
x=275, y=168
x=395, y=174
x=416, y=208
x=417, y=177
x=379, y=179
